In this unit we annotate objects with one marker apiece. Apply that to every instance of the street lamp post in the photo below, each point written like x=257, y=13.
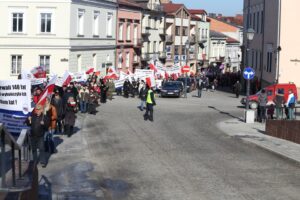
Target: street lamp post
x=187, y=46
x=250, y=35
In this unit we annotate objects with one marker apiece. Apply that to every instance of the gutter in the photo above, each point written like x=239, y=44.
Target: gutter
x=278, y=48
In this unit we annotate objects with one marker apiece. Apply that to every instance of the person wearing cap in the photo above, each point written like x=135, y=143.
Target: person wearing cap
x=150, y=103
x=39, y=124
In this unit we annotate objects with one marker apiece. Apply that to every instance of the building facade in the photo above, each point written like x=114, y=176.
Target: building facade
x=153, y=32
x=68, y=35
x=273, y=52
x=217, y=49
x=129, y=41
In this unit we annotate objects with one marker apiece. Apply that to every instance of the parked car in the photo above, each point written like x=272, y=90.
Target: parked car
x=189, y=83
x=172, y=89
x=271, y=93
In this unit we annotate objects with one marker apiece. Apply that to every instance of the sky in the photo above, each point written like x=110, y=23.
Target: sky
x=225, y=7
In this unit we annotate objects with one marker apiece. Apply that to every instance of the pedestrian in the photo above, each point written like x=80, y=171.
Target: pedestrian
x=262, y=101
x=103, y=91
x=200, y=86
x=111, y=89
x=92, y=101
x=126, y=88
x=50, y=111
x=290, y=104
x=70, y=116
x=237, y=89
x=142, y=95
x=150, y=103
x=279, y=101
x=39, y=124
x=270, y=111
x=83, y=99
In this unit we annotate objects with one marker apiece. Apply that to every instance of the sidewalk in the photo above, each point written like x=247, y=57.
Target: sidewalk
x=254, y=133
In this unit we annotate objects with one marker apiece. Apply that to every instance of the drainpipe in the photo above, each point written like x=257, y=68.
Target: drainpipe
x=263, y=44
x=278, y=48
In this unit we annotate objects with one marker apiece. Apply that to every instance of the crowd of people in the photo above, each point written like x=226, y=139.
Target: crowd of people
x=58, y=113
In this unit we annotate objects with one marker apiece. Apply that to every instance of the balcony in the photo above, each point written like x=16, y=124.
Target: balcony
x=145, y=32
x=145, y=57
x=169, y=39
x=192, y=39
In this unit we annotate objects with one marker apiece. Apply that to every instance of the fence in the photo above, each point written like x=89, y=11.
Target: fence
x=282, y=113
x=16, y=159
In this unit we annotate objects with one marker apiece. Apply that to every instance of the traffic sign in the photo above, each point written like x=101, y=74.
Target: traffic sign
x=186, y=69
x=248, y=73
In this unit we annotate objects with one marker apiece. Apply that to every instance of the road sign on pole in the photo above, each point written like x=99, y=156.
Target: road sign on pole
x=248, y=73
x=186, y=69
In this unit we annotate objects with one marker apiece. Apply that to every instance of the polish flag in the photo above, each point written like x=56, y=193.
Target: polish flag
x=67, y=78
x=153, y=67
x=48, y=91
x=39, y=72
x=111, y=73
x=150, y=81
x=129, y=72
x=97, y=73
x=89, y=71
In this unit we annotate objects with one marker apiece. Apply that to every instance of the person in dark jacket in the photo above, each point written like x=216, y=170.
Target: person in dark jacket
x=70, y=116
x=262, y=101
x=126, y=88
x=279, y=104
x=200, y=86
x=92, y=101
x=143, y=95
x=103, y=92
x=39, y=124
x=150, y=103
x=237, y=89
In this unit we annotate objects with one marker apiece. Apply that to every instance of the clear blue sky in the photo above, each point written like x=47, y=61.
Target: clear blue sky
x=226, y=7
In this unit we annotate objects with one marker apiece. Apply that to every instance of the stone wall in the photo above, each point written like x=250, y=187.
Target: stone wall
x=284, y=129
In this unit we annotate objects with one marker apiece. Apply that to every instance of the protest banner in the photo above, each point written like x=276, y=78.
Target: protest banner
x=15, y=104
x=79, y=77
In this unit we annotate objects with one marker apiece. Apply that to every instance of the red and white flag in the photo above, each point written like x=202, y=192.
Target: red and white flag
x=166, y=75
x=152, y=66
x=67, y=78
x=111, y=73
x=150, y=81
x=89, y=71
x=48, y=91
x=39, y=72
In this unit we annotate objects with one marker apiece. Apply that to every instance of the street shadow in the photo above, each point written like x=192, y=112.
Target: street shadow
x=260, y=131
x=233, y=96
x=45, y=189
x=226, y=113
x=240, y=106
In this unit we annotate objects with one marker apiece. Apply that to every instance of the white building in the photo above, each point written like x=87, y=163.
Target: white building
x=59, y=34
x=217, y=48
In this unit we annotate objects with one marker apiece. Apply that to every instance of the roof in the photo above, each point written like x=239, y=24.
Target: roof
x=197, y=11
x=217, y=34
x=171, y=8
x=130, y=3
x=195, y=17
x=232, y=40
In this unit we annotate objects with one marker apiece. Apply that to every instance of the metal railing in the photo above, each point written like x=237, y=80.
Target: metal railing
x=281, y=113
x=22, y=146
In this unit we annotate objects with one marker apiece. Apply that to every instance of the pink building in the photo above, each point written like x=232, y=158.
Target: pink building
x=129, y=42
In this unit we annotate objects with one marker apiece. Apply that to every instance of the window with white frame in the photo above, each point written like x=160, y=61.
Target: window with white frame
x=127, y=59
x=46, y=23
x=121, y=26
x=109, y=24
x=80, y=22
x=95, y=61
x=154, y=47
x=269, y=61
x=17, y=22
x=16, y=64
x=128, y=32
x=45, y=62
x=120, y=60
x=96, y=23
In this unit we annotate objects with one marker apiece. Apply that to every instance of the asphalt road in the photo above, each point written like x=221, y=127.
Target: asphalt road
x=182, y=155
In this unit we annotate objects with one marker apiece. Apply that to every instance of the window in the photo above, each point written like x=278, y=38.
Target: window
x=17, y=25
x=45, y=62
x=46, y=22
x=254, y=21
x=184, y=31
x=109, y=24
x=96, y=23
x=120, y=60
x=80, y=26
x=79, y=63
x=16, y=64
x=262, y=22
x=176, y=50
x=256, y=59
x=269, y=61
x=257, y=23
x=154, y=47
x=127, y=59
x=95, y=61
x=177, y=30
x=128, y=35
x=121, y=31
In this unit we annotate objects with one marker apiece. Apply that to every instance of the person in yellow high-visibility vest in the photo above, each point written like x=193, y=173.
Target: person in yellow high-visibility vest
x=150, y=102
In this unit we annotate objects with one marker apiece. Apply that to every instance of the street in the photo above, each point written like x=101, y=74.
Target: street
x=182, y=155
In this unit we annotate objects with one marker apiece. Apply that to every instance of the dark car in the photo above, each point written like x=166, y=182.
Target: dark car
x=189, y=83
x=172, y=89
